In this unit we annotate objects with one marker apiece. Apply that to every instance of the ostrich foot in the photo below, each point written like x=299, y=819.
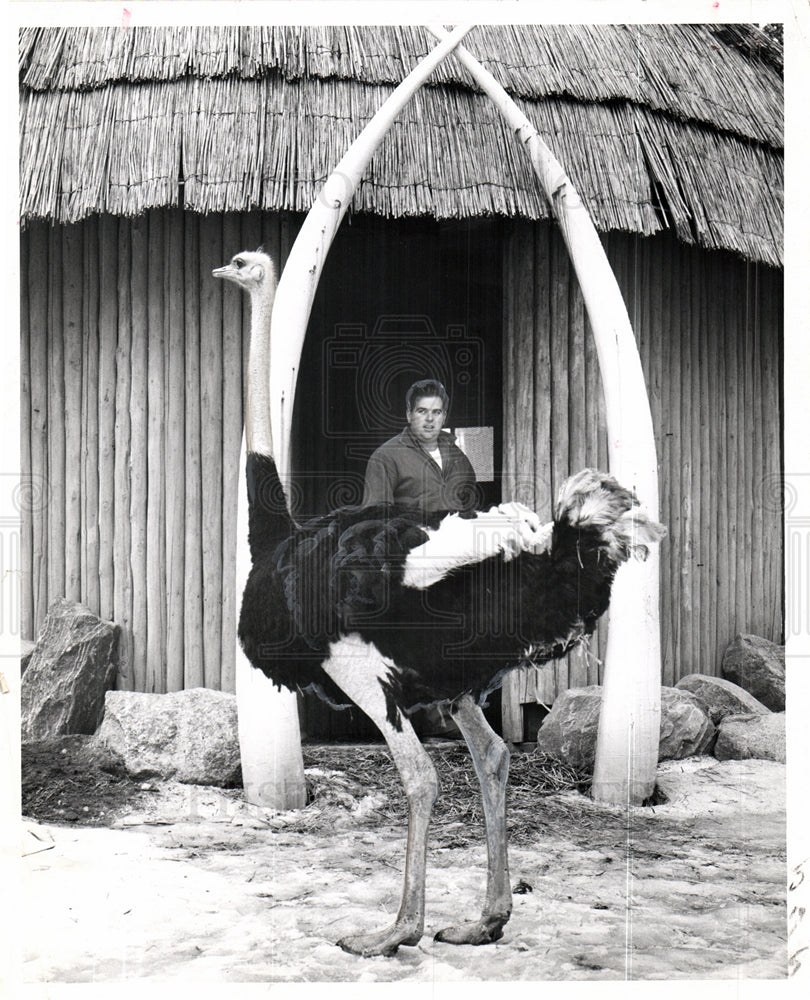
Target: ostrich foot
x=383, y=942
x=483, y=931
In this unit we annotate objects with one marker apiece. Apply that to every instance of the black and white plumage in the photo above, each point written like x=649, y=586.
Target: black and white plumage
x=385, y=609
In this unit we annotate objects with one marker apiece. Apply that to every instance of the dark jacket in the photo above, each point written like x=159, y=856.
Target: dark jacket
x=401, y=472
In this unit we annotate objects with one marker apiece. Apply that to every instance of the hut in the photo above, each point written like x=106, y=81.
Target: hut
x=151, y=155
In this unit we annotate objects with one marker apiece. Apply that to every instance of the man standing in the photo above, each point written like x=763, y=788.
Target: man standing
x=422, y=466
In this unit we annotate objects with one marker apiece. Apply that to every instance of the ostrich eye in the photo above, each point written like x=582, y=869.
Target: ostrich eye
x=238, y=262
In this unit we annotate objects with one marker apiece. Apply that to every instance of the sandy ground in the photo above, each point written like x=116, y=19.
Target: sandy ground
x=205, y=889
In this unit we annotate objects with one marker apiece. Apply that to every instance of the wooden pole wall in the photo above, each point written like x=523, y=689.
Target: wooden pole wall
x=133, y=360
x=709, y=332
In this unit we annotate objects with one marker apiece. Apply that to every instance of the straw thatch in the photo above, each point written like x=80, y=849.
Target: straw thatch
x=673, y=127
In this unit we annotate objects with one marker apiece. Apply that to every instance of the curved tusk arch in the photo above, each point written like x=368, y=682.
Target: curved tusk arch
x=627, y=745
x=302, y=271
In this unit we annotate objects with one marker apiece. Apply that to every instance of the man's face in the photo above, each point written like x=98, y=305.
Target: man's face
x=426, y=419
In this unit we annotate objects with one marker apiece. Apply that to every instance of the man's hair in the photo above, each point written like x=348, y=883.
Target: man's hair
x=427, y=387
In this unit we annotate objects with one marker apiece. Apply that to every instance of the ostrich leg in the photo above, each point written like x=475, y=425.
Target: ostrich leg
x=358, y=669
x=491, y=761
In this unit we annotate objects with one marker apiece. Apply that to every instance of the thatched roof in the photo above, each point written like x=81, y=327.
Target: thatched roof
x=660, y=126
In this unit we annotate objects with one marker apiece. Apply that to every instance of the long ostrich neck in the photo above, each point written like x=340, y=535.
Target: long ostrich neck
x=258, y=429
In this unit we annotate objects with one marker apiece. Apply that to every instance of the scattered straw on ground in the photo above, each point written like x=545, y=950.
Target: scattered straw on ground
x=363, y=780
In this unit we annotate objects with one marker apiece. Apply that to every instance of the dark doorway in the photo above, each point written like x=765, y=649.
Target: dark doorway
x=398, y=301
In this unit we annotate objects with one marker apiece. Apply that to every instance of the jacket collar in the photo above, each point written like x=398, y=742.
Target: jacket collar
x=446, y=438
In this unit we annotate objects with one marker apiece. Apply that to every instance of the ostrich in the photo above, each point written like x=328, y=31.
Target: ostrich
x=392, y=610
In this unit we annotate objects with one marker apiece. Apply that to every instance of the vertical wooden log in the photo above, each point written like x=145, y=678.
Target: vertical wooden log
x=53, y=340
x=718, y=303
x=138, y=414
x=90, y=588
x=231, y=445
x=196, y=425
x=108, y=338
x=511, y=709
x=771, y=366
x=698, y=403
x=579, y=432
x=69, y=535
x=509, y=262
x=523, y=375
x=652, y=290
x=211, y=255
x=258, y=229
x=744, y=458
x=596, y=458
x=577, y=403
x=156, y=462
x=528, y=435
x=560, y=463
x=175, y=450
x=749, y=431
x=687, y=451
x=41, y=511
x=122, y=545
x=559, y=362
x=758, y=431
x=670, y=485
x=707, y=560
x=27, y=495
x=541, y=326
x=733, y=435
x=543, y=681
x=602, y=462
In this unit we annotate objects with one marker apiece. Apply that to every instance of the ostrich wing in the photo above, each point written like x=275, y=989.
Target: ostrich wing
x=338, y=570
x=506, y=530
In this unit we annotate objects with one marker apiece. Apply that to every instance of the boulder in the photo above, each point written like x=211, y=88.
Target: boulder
x=720, y=697
x=742, y=737
x=73, y=664
x=569, y=730
x=758, y=666
x=190, y=736
x=686, y=728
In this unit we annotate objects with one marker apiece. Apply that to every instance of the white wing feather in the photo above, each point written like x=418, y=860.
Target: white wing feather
x=506, y=529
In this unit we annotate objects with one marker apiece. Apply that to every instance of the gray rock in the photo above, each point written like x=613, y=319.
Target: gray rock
x=721, y=697
x=190, y=736
x=742, y=737
x=686, y=728
x=569, y=730
x=73, y=664
x=758, y=666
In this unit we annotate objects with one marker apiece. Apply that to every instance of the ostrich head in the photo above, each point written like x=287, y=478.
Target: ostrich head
x=251, y=270
x=592, y=500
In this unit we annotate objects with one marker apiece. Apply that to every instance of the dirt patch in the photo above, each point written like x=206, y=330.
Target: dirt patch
x=74, y=780
x=193, y=883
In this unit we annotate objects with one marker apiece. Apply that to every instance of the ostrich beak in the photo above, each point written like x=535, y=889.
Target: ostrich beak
x=228, y=272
